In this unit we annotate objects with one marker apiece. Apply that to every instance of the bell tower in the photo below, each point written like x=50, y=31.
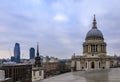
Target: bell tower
x=37, y=58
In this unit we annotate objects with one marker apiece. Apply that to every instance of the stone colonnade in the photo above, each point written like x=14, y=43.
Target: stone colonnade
x=94, y=48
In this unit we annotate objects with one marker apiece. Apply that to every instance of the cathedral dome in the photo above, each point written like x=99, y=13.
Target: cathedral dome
x=94, y=33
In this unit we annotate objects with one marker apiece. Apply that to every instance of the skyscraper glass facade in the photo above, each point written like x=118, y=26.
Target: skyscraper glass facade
x=17, y=53
x=32, y=53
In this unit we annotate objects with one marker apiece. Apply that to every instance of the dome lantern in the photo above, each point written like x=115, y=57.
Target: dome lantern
x=94, y=33
x=94, y=23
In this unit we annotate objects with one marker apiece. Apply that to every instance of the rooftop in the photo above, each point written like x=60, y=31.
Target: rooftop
x=112, y=75
x=15, y=64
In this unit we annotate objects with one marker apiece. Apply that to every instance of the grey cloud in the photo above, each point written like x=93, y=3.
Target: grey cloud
x=31, y=21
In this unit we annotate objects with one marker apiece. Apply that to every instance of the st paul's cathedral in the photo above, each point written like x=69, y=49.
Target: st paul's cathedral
x=94, y=52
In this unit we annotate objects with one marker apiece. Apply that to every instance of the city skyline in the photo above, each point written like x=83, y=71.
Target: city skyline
x=60, y=26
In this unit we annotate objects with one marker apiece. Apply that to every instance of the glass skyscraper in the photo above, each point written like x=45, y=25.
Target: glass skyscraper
x=17, y=53
x=32, y=53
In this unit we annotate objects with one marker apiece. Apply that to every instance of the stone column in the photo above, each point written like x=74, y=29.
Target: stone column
x=85, y=48
x=95, y=48
x=89, y=48
x=96, y=64
x=98, y=48
x=89, y=65
x=107, y=64
x=78, y=65
x=105, y=48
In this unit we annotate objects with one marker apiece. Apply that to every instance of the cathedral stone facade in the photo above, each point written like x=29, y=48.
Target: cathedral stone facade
x=94, y=52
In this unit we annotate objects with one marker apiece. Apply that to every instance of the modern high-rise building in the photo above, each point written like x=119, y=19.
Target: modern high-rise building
x=17, y=53
x=32, y=53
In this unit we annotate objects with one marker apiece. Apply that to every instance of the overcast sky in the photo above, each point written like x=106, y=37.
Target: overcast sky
x=60, y=26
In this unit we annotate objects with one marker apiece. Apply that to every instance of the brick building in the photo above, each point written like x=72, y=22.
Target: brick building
x=50, y=68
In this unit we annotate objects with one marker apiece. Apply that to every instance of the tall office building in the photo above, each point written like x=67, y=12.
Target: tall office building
x=32, y=53
x=17, y=53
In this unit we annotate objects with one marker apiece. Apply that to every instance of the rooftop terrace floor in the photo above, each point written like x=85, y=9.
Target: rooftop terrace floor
x=111, y=75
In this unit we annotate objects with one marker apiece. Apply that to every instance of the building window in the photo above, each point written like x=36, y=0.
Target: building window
x=82, y=67
x=92, y=54
x=34, y=73
x=103, y=67
x=96, y=48
x=102, y=48
x=86, y=48
x=93, y=48
x=92, y=65
x=99, y=64
x=39, y=73
x=86, y=64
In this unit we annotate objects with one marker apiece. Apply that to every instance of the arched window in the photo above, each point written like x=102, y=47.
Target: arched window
x=99, y=64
